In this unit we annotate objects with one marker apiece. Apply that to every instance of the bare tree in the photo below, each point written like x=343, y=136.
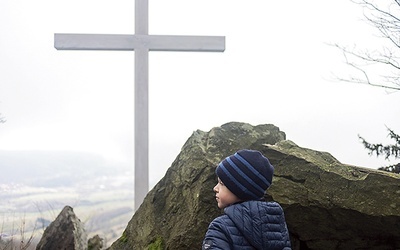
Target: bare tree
x=2, y=119
x=384, y=15
x=379, y=67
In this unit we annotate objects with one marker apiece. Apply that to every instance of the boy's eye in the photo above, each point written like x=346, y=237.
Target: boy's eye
x=220, y=182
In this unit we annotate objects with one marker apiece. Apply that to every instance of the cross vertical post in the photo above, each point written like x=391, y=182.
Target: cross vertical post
x=141, y=105
x=141, y=42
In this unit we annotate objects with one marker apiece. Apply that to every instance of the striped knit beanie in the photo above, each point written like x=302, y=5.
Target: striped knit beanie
x=247, y=174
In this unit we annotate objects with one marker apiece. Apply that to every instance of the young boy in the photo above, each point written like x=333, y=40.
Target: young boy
x=248, y=222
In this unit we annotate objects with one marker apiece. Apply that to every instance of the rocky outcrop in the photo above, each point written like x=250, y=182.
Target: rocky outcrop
x=177, y=211
x=328, y=205
x=65, y=232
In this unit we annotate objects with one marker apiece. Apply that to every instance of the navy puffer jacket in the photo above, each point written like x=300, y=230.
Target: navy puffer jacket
x=249, y=225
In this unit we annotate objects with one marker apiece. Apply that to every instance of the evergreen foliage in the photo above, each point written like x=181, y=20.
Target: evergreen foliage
x=391, y=150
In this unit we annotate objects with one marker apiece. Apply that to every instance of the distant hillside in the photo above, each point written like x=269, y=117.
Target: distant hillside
x=53, y=168
x=36, y=185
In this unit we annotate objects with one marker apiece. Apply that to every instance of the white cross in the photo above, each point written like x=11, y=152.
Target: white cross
x=141, y=42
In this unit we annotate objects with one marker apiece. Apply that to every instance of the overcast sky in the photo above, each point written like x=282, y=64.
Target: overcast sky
x=277, y=68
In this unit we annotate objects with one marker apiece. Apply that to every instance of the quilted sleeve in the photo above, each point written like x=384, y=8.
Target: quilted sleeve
x=216, y=236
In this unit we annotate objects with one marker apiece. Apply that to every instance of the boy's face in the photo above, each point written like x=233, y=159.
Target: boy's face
x=223, y=195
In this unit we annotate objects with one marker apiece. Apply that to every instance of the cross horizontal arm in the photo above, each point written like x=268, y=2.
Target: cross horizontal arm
x=132, y=42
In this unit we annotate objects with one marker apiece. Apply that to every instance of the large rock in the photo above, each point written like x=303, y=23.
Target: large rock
x=328, y=205
x=66, y=232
